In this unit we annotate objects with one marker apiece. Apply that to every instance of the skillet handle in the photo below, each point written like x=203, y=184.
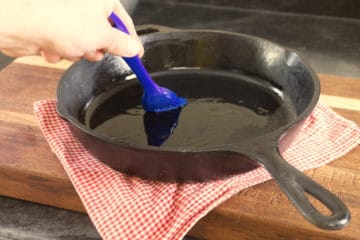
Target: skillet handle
x=295, y=184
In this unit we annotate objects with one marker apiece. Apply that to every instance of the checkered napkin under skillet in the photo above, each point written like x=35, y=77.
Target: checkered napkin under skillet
x=123, y=207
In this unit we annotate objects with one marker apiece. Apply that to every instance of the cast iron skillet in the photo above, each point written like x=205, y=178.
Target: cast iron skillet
x=246, y=60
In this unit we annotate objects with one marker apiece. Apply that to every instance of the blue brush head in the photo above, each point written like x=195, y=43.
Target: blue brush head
x=162, y=100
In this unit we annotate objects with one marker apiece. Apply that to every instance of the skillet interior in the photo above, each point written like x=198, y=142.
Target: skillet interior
x=222, y=109
x=279, y=75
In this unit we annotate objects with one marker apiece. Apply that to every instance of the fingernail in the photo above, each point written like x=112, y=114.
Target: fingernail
x=142, y=50
x=133, y=48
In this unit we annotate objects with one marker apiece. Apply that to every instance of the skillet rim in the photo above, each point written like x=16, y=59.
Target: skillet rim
x=274, y=135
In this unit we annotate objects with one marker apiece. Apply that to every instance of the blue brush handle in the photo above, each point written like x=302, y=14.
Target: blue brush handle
x=134, y=62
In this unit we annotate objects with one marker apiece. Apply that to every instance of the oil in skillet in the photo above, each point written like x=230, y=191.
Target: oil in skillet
x=222, y=108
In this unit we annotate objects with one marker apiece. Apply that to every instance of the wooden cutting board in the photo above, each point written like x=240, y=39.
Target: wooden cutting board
x=30, y=171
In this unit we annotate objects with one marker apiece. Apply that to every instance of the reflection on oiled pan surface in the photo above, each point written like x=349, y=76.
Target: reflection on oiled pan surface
x=222, y=109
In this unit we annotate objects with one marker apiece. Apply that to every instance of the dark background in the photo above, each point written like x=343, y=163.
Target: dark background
x=325, y=32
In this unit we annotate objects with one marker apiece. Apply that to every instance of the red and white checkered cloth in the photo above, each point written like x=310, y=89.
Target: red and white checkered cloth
x=123, y=207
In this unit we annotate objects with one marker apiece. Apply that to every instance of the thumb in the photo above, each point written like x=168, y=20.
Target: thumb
x=121, y=44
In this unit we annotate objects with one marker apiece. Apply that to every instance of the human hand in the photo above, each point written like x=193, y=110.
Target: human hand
x=65, y=29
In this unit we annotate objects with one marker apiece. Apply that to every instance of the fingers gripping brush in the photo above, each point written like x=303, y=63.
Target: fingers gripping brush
x=155, y=98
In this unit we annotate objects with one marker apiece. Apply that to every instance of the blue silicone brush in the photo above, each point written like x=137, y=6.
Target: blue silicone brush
x=155, y=98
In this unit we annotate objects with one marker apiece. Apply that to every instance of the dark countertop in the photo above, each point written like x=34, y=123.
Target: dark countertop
x=328, y=39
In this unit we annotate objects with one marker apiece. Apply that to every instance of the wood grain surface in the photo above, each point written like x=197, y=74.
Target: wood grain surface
x=30, y=171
